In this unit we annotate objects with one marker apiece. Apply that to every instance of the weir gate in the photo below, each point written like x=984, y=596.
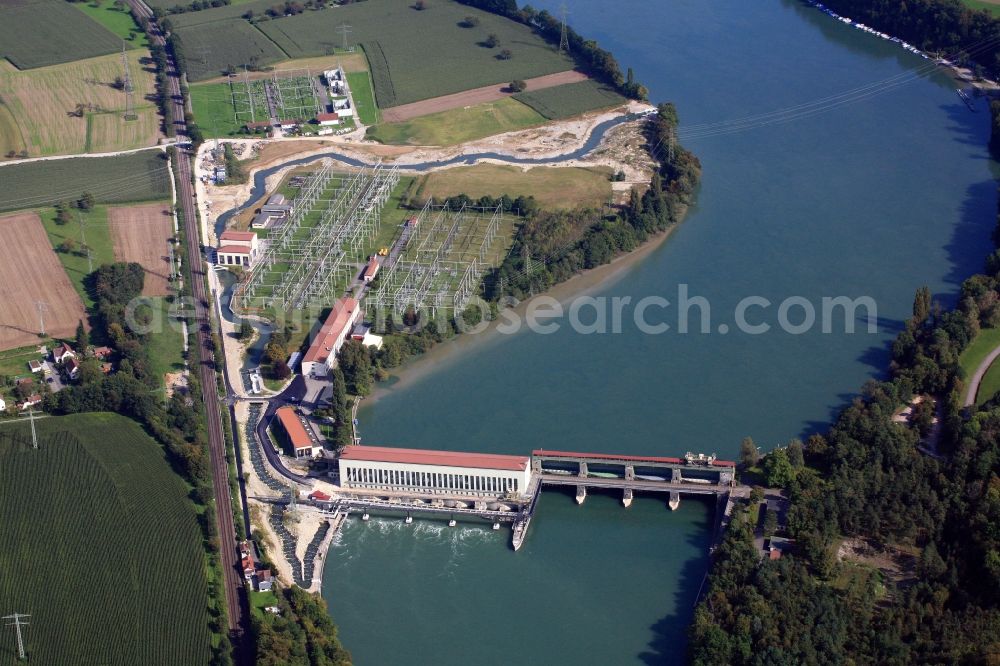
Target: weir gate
x=505, y=489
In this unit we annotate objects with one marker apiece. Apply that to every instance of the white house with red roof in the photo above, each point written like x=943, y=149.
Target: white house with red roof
x=322, y=354
x=327, y=119
x=238, y=248
x=62, y=352
x=31, y=401
x=434, y=472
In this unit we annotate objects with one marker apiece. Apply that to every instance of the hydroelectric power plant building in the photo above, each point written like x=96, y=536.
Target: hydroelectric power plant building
x=434, y=472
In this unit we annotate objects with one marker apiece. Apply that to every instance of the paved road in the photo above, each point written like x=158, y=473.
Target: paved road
x=235, y=591
x=977, y=377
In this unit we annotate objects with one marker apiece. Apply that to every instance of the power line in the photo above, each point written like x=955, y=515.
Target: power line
x=128, y=88
x=42, y=308
x=17, y=624
x=344, y=29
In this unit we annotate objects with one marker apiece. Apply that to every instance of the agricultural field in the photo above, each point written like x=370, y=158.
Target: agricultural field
x=120, y=179
x=142, y=234
x=213, y=109
x=571, y=99
x=37, y=33
x=403, y=68
x=108, y=560
x=75, y=108
x=118, y=21
x=30, y=273
x=350, y=62
x=992, y=6
x=552, y=187
x=211, y=48
x=364, y=97
x=459, y=125
x=67, y=240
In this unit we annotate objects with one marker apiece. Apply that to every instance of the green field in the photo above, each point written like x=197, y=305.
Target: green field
x=552, y=187
x=98, y=236
x=213, y=109
x=992, y=6
x=126, y=178
x=233, y=10
x=364, y=98
x=101, y=547
x=427, y=53
x=987, y=340
x=36, y=33
x=118, y=21
x=210, y=48
x=459, y=125
x=571, y=99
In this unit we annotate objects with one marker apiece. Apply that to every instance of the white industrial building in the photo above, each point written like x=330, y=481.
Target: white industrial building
x=238, y=248
x=322, y=353
x=433, y=472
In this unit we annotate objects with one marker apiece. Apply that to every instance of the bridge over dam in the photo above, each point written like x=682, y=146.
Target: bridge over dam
x=505, y=488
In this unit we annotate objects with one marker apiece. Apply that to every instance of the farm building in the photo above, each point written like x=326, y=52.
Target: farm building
x=322, y=354
x=62, y=352
x=371, y=270
x=327, y=119
x=238, y=248
x=302, y=440
x=36, y=366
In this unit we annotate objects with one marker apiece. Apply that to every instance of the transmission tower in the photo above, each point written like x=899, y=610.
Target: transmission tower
x=344, y=29
x=128, y=88
x=17, y=624
x=42, y=308
x=563, y=37
x=34, y=434
x=83, y=242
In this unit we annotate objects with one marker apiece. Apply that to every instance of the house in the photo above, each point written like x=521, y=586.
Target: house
x=265, y=580
x=371, y=270
x=102, y=353
x=302, y=440
x=72, y=368
x=62, y=352
x=322, y=354
x=363, y=334
x=249, y=569
x=36, y=366
x=237, y=248
x=319, y=496
x=327, y=119
x=106, y=368
x=30, y=401
x=775, y=547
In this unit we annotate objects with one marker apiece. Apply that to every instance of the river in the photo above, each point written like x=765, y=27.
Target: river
x=872, y=198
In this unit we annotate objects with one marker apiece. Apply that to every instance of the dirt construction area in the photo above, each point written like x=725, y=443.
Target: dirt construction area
x=141, y=234
x=30, y=273
x=398, y=114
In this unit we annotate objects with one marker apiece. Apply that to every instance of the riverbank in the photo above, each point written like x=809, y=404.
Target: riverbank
x=581, y=284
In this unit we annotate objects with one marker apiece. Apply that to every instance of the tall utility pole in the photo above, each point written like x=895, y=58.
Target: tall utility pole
x=17, y=624
x=128, y=88
x=563, y=37
x=344, y=29
x=42, y=308
x=83, y=241
x=34, y=433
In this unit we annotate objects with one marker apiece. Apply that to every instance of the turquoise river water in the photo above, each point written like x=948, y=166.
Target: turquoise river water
x=874, y=197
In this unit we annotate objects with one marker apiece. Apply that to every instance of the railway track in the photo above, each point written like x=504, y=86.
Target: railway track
x=237, y=603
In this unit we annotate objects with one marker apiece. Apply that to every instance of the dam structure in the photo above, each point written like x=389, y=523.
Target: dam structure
x=504, y=489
